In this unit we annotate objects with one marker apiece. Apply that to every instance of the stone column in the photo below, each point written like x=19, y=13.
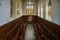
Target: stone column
x=24, y=8
x=21, y=8
x=36, y=8
x=13, y=9
x=45, y=9
x=16, y=2
x=39, y=8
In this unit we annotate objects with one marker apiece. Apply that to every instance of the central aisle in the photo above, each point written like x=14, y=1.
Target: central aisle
x=29, y=33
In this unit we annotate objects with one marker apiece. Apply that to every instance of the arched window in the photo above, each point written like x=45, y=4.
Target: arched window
x=29, y=8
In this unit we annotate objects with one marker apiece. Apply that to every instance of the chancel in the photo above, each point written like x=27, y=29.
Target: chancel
x=30, y=20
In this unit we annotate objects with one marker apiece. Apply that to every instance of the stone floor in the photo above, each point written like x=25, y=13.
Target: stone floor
x=29, y=35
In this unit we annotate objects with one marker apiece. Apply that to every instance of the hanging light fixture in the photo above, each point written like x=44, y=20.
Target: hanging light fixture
x=49, y=3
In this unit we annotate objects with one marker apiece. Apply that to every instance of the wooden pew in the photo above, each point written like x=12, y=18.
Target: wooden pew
x=51, y=26
x=15, y=29
x=7, y=27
